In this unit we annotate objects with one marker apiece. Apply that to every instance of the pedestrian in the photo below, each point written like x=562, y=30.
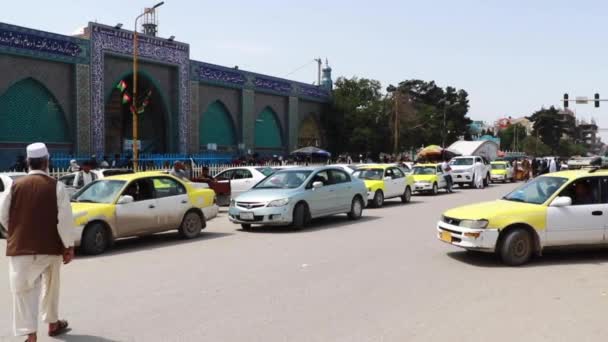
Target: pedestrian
x=39, y=221
x=20, y=164
x=552, y=165
x=116, y=163
x=447, y=174
x=105, y=162
x=178, y=170
x=563, y=165
x=74, y=167
x=479, y=175
x=93, y=162
x=85, y=176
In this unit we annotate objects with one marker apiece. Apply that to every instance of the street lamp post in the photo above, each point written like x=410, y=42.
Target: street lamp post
x=446, y=104
x=396, y=123
x=134, y=99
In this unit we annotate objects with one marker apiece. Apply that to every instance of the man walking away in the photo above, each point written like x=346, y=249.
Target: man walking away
x=85, y=176
x=447, y=174
x=38, y=216
x=552, y=165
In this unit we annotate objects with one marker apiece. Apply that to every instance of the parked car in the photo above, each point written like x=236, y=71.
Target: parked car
x=501, y=171
x=350, y=168
x=428, y=178
x=565, y=208
x=385, y=182
x=139, y=204
x=74, y=180
x=297, y=195
x=6, y=182
x=464, y=170
x=243, y=178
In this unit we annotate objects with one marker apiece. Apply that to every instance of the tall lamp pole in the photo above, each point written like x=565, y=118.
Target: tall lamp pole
x=134, y=99
x=392, y=89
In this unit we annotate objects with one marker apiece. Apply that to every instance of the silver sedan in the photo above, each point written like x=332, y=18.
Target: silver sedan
x=295, y=196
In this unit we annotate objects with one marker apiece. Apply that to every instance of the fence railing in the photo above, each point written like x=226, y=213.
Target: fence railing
x=194, y=172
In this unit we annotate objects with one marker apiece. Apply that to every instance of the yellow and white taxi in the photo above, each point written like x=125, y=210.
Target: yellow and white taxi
x=429, y=178
x=139, y=204
x=384, y=182
x=567, y=208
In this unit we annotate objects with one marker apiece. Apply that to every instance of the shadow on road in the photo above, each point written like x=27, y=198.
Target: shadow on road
x=393, y=204
x=553, y=257
x=88, y=338
x=155, y=241
x=332, y=222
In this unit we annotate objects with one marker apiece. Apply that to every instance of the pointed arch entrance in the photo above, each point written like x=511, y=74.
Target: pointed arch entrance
x=268, y=131
x=216, y=127
x=154, y=126
x=29, y=113
x=309, y=133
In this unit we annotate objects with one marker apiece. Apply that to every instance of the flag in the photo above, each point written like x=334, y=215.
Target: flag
x=126, y=98
x=122, y=86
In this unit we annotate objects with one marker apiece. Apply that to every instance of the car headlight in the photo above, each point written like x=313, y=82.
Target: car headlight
x=232, y=203
x=474, y=224
x=279, y=203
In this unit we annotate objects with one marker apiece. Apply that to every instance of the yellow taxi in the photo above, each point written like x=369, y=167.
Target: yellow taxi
x=567, y=208
x=501, y=171
x=384, y=182
x=428, y=178
x=139, y=204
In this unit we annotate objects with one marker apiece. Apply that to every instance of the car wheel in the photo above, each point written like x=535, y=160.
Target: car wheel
x=94, y=239
x=356, y=209
x=435, y=189
x=191, y=226
x=486, y=181
x=378, y=199
x=516, y=248
x=300, y=214
x=246, y=226
x=407, y=195
x=472, y=183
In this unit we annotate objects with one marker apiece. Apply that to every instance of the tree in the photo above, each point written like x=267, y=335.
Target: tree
x=533, y=146
x=567, y=148
x=512, y=137
x=550, y=126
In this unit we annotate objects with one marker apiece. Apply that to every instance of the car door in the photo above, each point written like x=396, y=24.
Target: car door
x=242, y=180
x=344, y=193
x=140, y=216
x=583, y=222
x=441, y=182
x=398, y=181
x=321, y=201
x=389, y=185
x=225, y=177
x=173, y=202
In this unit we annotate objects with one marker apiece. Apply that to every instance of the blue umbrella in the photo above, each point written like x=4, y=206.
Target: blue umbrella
x=311, y=150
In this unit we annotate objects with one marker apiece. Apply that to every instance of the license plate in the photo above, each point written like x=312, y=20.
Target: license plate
x=446, y=236
x=246, y=216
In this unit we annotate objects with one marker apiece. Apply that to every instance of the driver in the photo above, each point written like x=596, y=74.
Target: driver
x=582, y=194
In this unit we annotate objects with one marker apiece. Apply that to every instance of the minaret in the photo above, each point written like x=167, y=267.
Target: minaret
x=326, y=81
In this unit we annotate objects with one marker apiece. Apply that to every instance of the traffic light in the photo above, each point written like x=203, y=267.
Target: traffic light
x=597, y=100
x=566, y=100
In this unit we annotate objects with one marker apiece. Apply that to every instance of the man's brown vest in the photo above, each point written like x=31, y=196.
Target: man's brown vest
x=33, y=217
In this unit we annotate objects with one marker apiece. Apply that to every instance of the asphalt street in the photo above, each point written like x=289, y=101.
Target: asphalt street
x=384, y=278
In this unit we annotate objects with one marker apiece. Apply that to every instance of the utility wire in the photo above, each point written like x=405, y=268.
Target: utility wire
x=301, y=67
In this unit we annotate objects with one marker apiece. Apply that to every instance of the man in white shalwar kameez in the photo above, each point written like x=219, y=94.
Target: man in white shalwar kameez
x=480, y=175
x=38, y=218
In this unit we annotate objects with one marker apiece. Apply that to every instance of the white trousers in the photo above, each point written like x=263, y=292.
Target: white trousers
x=28, y=275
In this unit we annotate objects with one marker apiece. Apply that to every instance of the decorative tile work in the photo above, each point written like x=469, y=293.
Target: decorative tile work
x=311, y=91
x=194, y=118
x=215, y=74
x=272, y=85
x=107, y=39
x=24, y=41
x=83, y=108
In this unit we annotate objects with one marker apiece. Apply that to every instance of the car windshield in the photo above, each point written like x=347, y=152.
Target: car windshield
x=499, y=167
x=424, y=170
x=266, y=171
x=102, y=191
x=537, y=191
x=369, y=174
x=284, y=180
x=462, y=161
x=352, y=167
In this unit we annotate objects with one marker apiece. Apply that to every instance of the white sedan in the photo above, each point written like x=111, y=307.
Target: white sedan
x=6, y=182
x=243, y=178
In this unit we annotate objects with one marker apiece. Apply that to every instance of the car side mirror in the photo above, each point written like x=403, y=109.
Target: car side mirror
x=317, y=185
x=126, y=199
x=387, y=178
x=561, y=201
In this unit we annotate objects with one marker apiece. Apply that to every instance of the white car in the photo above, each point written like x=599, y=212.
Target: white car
x=350, y=168
x=463, y=170
x=6, y=182
x=75, y=182
x=243, y=178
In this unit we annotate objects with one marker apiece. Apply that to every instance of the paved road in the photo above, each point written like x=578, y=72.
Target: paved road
x=384, y=278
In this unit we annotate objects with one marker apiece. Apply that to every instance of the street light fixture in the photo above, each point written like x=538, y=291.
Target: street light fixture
x=134, y=99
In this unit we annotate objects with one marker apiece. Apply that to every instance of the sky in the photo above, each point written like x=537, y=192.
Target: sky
x=512, y=57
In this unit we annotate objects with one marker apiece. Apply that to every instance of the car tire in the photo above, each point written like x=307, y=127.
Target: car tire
x=300, y=216
x=191, y=226
x=95, y=239
x=516, y=247
x=435, y=190
x=246, y=226
x=486, y=182
x=407, y=195
x=472, y=183
x=378, y=200
x=356, y=209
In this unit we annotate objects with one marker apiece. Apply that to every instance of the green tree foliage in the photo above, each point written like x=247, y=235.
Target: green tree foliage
x=567, y=148
x=533, y=146
x=512, y=137
x=550, y=126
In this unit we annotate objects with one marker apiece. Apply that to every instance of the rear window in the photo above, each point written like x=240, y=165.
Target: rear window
x=462, y=161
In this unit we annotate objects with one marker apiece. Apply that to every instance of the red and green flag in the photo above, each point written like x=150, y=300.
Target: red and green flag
x=126, y=98
x=122, y=86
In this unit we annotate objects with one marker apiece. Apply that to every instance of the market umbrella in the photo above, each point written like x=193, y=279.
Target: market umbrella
x=430, y=152
x=311, y=151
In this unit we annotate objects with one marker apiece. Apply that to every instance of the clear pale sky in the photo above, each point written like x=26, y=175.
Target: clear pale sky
x=511, y=56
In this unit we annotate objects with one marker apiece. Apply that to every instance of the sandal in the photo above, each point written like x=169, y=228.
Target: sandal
x=62, y=328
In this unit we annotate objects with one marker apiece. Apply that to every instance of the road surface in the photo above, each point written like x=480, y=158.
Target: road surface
x=384, y=278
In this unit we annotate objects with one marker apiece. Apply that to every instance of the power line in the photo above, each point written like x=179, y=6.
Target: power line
x=301, y=67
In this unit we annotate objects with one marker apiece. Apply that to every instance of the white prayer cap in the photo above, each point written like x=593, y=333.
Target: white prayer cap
x=37, y=150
